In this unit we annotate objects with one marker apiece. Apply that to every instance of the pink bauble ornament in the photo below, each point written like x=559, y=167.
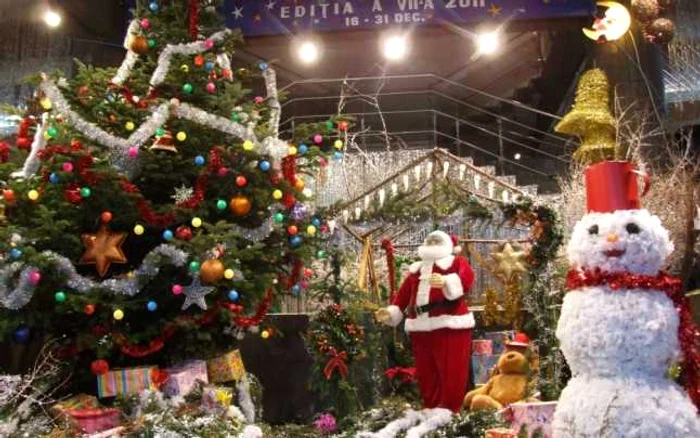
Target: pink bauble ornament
x=258, y=100
x=318, y=139
x=133, y=152
x=34, y=278
x=177, y=289
x=223, y=171
x=211, y=87
x=209, y=44
x=145, y=23
x=324, y=228
x=67, y=167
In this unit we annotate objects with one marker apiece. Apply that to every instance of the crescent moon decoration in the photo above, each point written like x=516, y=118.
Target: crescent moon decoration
x=613, y=26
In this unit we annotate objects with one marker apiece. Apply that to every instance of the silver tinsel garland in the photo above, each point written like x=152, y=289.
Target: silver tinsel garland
x=31, y=164
x=21, y=295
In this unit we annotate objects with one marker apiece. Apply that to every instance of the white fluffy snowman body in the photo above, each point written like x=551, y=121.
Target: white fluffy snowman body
x=620, y=343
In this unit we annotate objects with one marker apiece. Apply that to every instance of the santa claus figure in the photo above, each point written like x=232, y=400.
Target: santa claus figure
x=438, y=320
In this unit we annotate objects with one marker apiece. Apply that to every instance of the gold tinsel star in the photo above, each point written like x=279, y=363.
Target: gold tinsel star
x=509, y=262
x=103, y=249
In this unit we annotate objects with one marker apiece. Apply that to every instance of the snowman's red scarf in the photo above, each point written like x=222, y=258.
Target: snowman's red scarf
x=688, y=334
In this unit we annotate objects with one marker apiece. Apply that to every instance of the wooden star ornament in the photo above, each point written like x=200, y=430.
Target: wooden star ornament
x=509, y=262
x=102, y=249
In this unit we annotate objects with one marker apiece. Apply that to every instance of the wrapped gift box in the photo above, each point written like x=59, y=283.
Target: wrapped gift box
x=533, y=416
x=482, y=347
x=93, y=420
x=482, y=366
x=226, y=368
x=216, y=400
x=499, y=340
x=80, y=401
x=183, y=378
x=500, y=432
x=126, y=381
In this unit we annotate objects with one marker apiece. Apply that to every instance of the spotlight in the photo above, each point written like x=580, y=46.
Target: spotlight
x=487, y=43
x=395, y=47
x=52, y=18
x=308, y=52
x=517, y=156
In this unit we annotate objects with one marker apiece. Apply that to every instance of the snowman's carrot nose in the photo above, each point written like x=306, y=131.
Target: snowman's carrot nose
x=612, y=237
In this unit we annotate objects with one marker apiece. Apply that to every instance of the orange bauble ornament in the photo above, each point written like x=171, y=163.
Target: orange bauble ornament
x=240, y=205
x=212, y=270
x=138, y=44
x=299, y=184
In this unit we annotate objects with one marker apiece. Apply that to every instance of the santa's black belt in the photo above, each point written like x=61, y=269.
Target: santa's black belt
x=425, y=308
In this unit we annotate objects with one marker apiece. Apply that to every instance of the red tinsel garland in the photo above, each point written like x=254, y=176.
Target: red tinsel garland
x=194, y=18
x=4, y=151
x=23, y=136
x=260, y=313
x=289, y=169
x=388, y=247
x=688, y=334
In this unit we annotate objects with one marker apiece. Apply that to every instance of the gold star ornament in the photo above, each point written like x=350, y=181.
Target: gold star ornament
x=102, y=249
x=509, y=262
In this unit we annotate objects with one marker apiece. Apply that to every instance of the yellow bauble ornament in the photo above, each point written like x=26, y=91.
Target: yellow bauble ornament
x=118, y=314
x=229, y=274
x=311, y=230
x=33, y=195
x=196, y=222
x=138, y=230
x=45, y=103
x=211, y=271
x=240, y=205
x=248, y=145
x=181, y=136
x=277, y=194
x=265, y=334
x=338, y=144
x=292, y=150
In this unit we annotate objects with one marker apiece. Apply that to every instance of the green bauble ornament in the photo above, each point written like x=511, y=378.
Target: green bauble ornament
x=279, y=218
x=85, y=192
x=194, y=266
x=221, y=204
x=60, y=297
x=187, y=88
x=321, y=254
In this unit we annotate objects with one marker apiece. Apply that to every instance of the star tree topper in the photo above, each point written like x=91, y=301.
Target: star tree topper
x=102, y=249
x=509, y=262
x=195, y=293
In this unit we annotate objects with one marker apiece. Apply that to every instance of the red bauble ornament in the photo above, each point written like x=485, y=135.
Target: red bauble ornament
x=275, y=178
x=343, y=126
x=99, y=367
x=9, y=195
x=23, y=143
x=183, y=232
x=308, y=272
x=292, y=230
x=106, y=216
x=199, y=60
x=241, y=181
x=289, y=200
x=89, y=309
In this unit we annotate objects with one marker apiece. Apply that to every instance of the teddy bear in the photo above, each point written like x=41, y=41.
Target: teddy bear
x=508, y=386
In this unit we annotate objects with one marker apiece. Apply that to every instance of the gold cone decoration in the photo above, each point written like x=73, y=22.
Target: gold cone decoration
x=164, y=143
x=590, y=119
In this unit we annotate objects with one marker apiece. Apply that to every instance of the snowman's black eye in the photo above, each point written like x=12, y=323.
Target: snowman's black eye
x=632, y=228
x=593, y=229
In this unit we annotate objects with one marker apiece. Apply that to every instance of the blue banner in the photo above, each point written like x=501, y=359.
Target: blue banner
x=271, y=17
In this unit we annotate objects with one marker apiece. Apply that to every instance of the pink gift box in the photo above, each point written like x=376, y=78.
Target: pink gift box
x=533, y=416
x=482, y=347
x=93, y=420
x=500, y=432
x=183, y=378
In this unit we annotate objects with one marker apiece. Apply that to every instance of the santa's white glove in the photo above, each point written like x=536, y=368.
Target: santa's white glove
x=437, y=280
x=383, y=316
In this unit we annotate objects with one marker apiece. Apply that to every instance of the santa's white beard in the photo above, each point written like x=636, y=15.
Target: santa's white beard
x=433, y=252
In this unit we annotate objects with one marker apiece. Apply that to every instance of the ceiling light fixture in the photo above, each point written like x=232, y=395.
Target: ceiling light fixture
x=487, y=43
x=308, y=52
x=52, y=18
x=517, y=156
x=395, y=47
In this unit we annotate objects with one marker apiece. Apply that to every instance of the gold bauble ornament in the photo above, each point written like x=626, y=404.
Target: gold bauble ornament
x=138, y=44
x=240, y=205
x=590, y=119
x=211, y=271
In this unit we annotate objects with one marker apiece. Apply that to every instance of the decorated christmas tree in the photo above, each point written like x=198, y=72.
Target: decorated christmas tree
x=151, y=213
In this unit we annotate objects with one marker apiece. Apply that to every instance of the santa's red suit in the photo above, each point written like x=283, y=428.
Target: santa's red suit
x=438, y=322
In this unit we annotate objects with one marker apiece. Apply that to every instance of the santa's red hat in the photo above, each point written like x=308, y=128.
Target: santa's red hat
x=612, y=185
x=450, y=240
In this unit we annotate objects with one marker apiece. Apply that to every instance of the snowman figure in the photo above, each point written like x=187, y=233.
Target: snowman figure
x=619, y=324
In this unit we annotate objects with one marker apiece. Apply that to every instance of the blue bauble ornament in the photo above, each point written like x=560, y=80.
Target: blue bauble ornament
x=168, y=235
x=199, y=160
x=54, y=178
x=316, y=222
x=153, y=6
x=16, y=253
x=152, y=306
x=21, y=335
x=295, y=241
x=338, y=156
x=233, y=295
x=209, y=66
x=263, y=65
x=303, y=149
x=296, y=290
x=264, y=165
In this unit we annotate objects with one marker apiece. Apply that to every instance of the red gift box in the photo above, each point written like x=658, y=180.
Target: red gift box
x=95, y=420
x=500, y=432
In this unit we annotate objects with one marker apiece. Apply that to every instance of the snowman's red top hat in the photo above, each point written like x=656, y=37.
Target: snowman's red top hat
x=612, y=185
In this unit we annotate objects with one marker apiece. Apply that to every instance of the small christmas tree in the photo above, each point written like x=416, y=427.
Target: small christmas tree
x=156, y=213
x=590, y=119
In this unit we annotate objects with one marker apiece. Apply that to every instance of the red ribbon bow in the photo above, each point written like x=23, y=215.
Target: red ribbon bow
x=336, y=362
x=407, y=374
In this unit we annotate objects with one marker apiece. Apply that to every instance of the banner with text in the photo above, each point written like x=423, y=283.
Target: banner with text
x=270, y=17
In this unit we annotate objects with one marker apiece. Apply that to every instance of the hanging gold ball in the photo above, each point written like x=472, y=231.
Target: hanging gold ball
x=212, y=270
x=138, y=44
x=240, y=205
